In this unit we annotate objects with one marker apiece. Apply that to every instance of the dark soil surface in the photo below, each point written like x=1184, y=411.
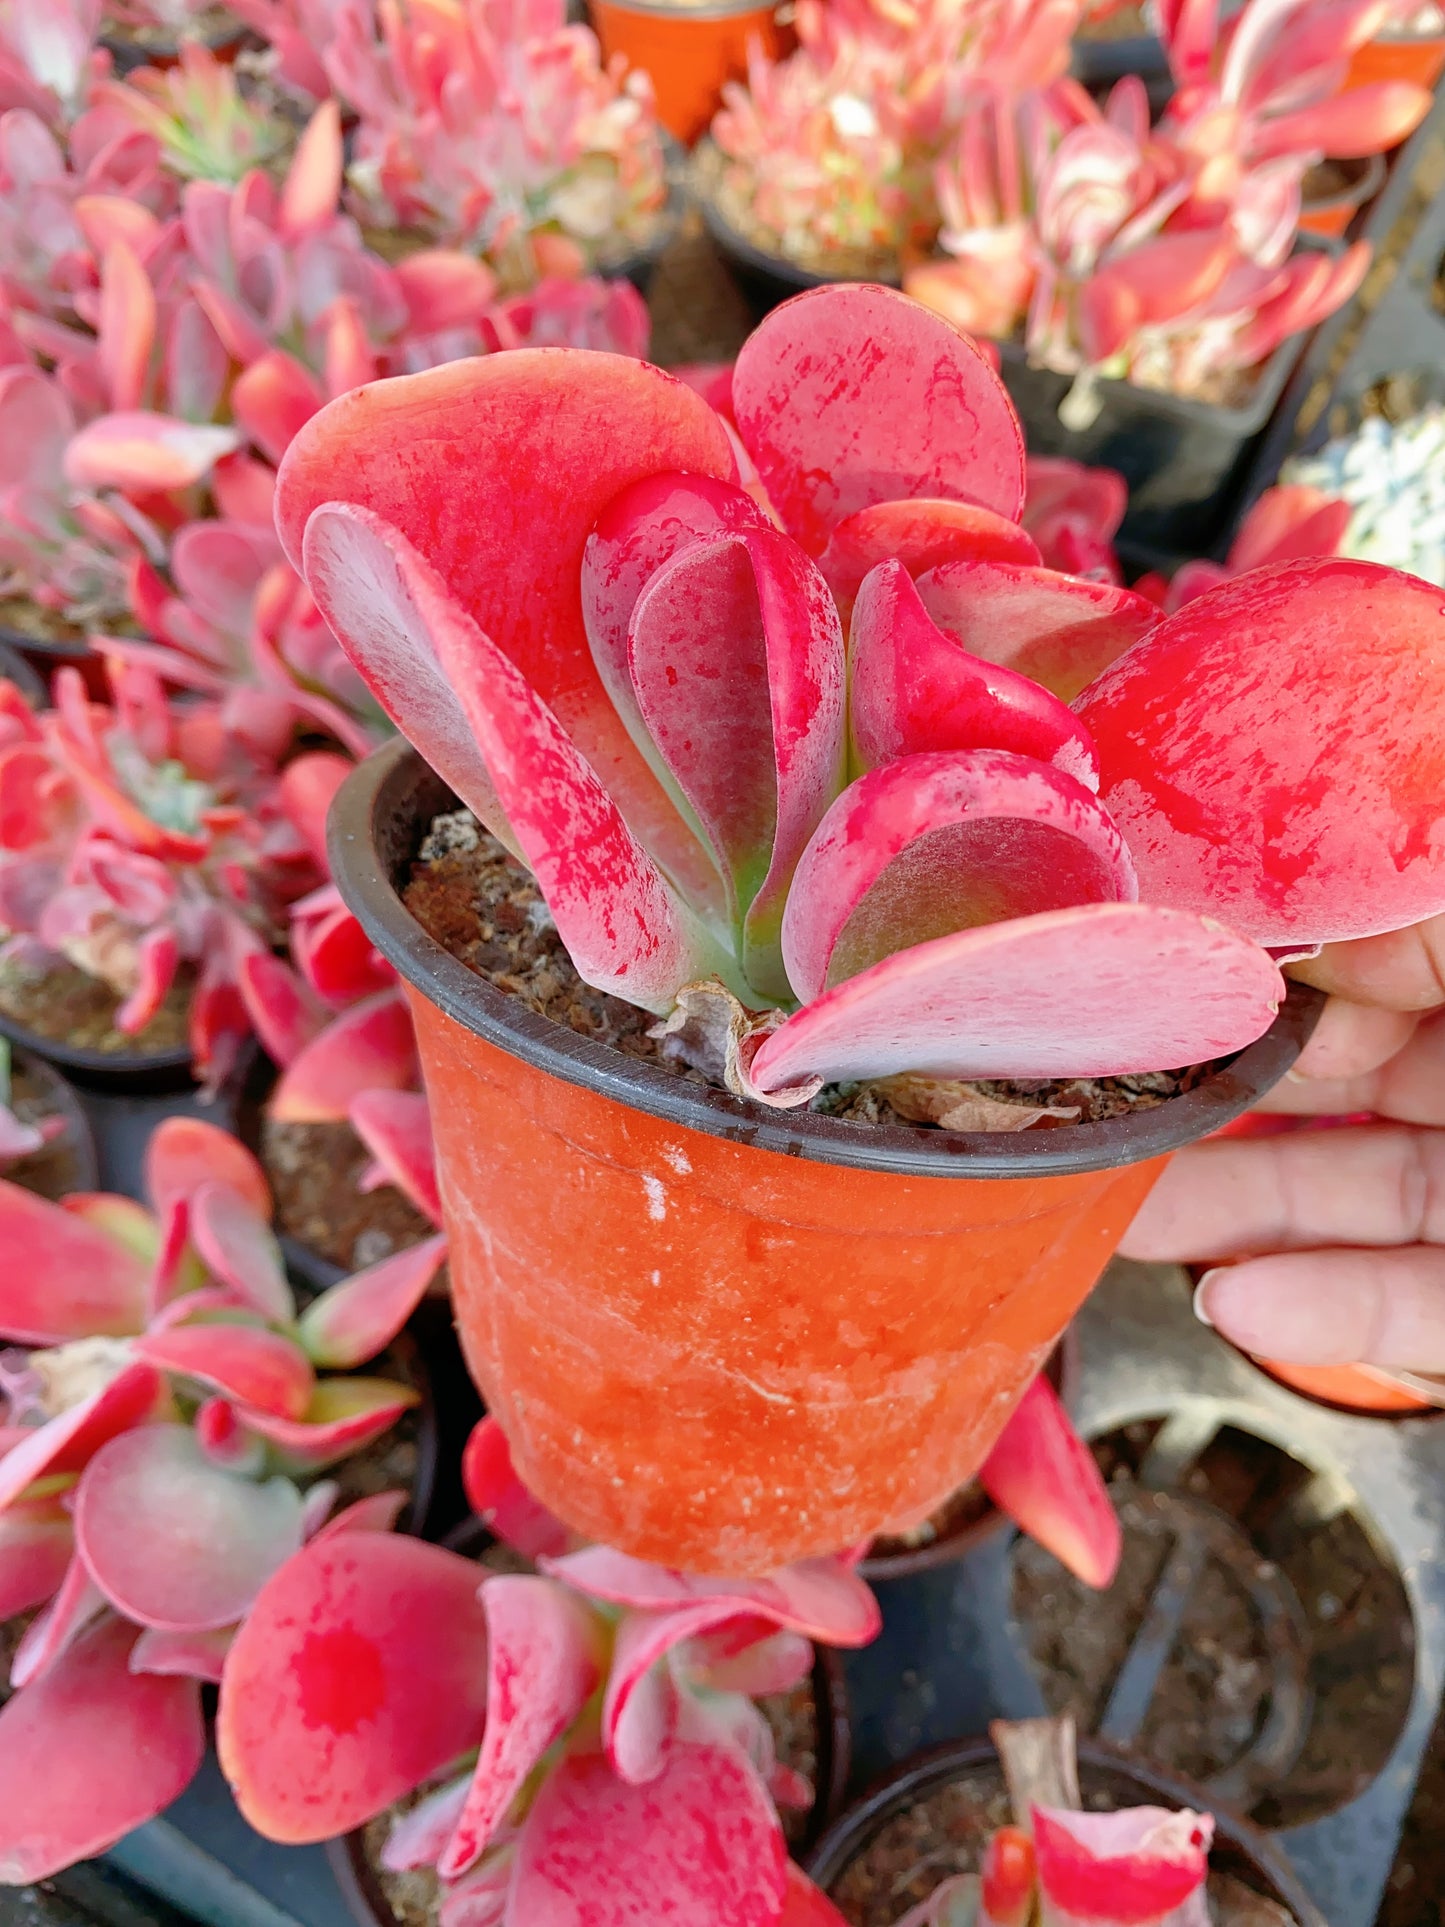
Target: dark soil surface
x=69, y=1007
x=314, y=1172
x=480, y=904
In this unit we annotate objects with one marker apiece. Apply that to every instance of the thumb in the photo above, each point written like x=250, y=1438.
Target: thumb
x=1333, y=1307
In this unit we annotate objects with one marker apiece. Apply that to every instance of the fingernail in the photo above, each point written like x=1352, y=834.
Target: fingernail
x=1200, y=1310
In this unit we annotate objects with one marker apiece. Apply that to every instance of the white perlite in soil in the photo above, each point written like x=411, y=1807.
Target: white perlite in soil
x=1394, y=479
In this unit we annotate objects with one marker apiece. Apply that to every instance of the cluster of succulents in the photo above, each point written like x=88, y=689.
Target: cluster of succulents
x=1392, y=476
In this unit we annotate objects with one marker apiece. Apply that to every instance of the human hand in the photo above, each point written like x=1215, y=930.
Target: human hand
x=1341, y=1232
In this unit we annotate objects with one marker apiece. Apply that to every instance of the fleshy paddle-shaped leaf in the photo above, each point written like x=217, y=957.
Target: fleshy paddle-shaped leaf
x=543, y=1663
x=183, y=1153
x=496, y=470
x=625, y=928
x=823, y=1598
x=370, y=1047
x=260, y=1367
x=237, y=1246
x=182, y=1655
x=354, y=1320
x=89, y=1751
x=1054, y=629
x=35, y=1543
x=171, y=1539
x=1330, y=826
x=698, y=1847
x=62, y=1277
x=395, y=1126
x=498, y=1496
x=66, y=1443
x=359, y=1673
x=756, y=752
x=1138, y=1864
x=849, y=396
x=344, y=1414
x=911, y=687
x=919, y=536
x=1045, y=1478
x=928, y=845
x=986, y=1002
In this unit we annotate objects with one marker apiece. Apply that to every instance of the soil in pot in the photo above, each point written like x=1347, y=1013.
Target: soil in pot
x=314, y=1171
x=67, y=1162
x=65, y=1005
x=480, y=904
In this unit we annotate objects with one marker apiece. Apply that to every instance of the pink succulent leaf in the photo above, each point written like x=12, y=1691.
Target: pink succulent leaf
x=625, y=928
x=67, y=1443
x=499, y=1498
x=158, y=958
x=64, y=1277
x=237, y=1246
x=377, y=1512
x=395, y=1126
x=370, y=1047
x=743, y=1658
x=183, y=1153
x=183, y=1655
x=699, y=1846
x=1283, y=658
x=273, y=399
x=307, y=789
x=285, y=1014
x=929, y=845
x=35, y=1548
x=76, y=1604
x=1073, y=512
x=1054, y=629
x=127, y=326
x=344, y=1415
x=245, y=1362
x=496, y=470
x=479, y=1898
x=359, y=1674
x=804, y=1905
x=757, y=755
x=312, y=187
x=919, y=535
x=89, y=1751
x=333, y=952
x=227, y=1443
x=18, y=1140
x=848, y=396
x=122, y=1219
x=823, y=1598
x=1045, y=1478
x=543, y=1664
x=1141, y=1865
x=357, y=1318
x=419, y=1837
x=984, y=1002
x=171, y=1539
x=912, y=687
x=1292, y=523
x=640, y=1712
x=144, y=453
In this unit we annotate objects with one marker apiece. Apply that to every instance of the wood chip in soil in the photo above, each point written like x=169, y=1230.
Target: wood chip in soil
x=484, y=907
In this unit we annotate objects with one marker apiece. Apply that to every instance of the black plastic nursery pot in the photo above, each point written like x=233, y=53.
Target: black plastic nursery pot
x=616, y=1229
x=1184, y=460
x=67, y=1164
x=1108, y=1781
x=26, y=677
x=225, y=39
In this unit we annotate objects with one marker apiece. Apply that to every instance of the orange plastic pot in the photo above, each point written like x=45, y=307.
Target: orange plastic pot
x=1417, y=57
x=1329, y=215
x=723, y=1337
x=689, y=51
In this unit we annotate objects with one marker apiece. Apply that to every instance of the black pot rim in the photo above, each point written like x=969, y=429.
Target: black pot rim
x=1245, y=418
x=955, y=1758
x=17, y=668
x=139, y=1070
x=372, y=834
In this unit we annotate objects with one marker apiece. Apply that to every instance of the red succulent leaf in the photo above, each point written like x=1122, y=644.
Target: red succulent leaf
x=63, y=1276
x=344, y=1415
x=238, y=1247
x=1055, y=629
x=333, y=952
x=919, y=535
x=158, y=958
x=823, y=1598
x=1045, y=1478
x=1133, y=1867
x=804, y=1905
x=496, y=469
x=369, y=1047
x=174, y=1541
x=985, y=1003
x=89, y=1751
x=419, y=1837
x=359, y=1674
x=145, y=454
x=928, y=845
x=912, y=687
x=284, y=1012
x=847, y=396
x=245, y=1362
x=67, y=1443
x=543, y=1664
x=1006, y=1878
x=1285, y=659
x=183, y=1153
x=395, y=1126
x=183, y=1655
x=355, y=1319
x=377, y=1512
x=306, y=789
x=479, y=1898
x=756, y=754
x=35, y=1547
x=498, y=1496
x=743, y=1656
x=1291, y=523
x=75, y=1605
x=273, y=399
x=699, y=1846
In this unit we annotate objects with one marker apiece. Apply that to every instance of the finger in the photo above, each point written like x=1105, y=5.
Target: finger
x=1351, y=1040
x=1409, y=1087
x=1334, y=1307
x=1233, y=1197
x=1403, y=970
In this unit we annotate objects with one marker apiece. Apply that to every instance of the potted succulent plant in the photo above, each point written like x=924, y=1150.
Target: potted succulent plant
x=499, y=613
x=163, y=1439
x=983, y=1834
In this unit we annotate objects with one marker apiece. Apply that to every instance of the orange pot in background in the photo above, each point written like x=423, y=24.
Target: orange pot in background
x=690, y=50
x=722, y=1337
x=1419, y=57
x=1330, y=215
